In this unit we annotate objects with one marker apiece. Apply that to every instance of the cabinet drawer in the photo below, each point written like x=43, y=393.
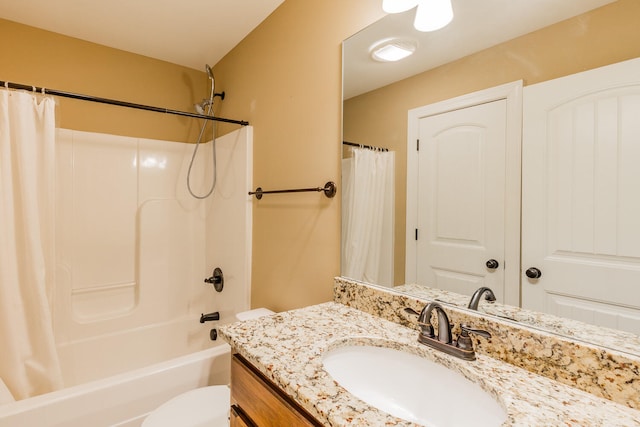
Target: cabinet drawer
x=262, y=401
x=237, y=418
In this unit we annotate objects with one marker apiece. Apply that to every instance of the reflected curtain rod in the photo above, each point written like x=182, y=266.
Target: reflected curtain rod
x=81, y=97
x=370, y=147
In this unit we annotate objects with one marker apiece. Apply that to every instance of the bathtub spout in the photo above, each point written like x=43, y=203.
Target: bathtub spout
x=209, y=317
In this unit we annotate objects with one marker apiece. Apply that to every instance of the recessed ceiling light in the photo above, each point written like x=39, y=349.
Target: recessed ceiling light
x=393, y=50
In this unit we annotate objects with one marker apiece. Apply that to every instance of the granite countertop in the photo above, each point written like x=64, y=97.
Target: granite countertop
x=288, y=347
x=611, y=338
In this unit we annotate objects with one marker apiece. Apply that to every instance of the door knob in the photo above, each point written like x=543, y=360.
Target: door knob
x=492, y=264
x=533, y=273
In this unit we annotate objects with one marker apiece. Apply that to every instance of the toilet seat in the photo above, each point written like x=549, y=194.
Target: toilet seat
x=205, y=406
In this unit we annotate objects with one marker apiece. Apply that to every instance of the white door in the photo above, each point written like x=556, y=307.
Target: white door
x=461, y=213
x=461, y=198
x=581, y=196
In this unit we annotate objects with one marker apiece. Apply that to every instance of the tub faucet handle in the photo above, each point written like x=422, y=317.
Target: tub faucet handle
x=216, y=279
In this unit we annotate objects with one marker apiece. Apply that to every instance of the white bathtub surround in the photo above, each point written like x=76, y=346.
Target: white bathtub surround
x=5, y=394
x=29, y=363
x=134, y=248
x=229, y=224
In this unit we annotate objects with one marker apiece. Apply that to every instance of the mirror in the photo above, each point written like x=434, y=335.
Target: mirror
x=488, y=43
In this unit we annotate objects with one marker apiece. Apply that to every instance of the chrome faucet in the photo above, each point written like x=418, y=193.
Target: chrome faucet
x=477, y=295
x=462, y=347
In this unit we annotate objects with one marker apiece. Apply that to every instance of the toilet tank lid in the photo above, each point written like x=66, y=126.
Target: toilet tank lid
x=253, y=314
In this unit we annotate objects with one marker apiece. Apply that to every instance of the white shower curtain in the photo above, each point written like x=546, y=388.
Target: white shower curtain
x=368, y=216
x=28, y=358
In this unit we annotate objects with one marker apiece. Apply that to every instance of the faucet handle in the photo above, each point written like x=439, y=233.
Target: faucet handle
x=466, y=330
x=464, y=340
x=410, y=310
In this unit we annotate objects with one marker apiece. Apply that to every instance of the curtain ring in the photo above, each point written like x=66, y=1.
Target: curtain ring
x=42, y=90
x=6, y=85
x=33, y=88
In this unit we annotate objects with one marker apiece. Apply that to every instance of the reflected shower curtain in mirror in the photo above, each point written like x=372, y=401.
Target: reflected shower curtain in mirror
x=368, y=216
x=28, y=362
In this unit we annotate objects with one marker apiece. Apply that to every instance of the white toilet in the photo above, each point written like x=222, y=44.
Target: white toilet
x=204, y=406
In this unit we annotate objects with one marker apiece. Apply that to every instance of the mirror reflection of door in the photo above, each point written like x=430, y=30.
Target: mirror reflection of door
x=461, y=199
x=581, y=196
x=463, y=193
x=463, y=208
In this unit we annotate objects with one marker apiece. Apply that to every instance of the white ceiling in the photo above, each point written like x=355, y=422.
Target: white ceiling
x=185, y=32
x=197, y=32
x=477, y=25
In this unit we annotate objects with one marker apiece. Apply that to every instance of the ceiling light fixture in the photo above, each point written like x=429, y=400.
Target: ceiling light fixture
x=431, y=15
x=398, y=6
x=391, y=50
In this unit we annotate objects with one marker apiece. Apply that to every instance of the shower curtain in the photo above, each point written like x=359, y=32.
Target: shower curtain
x=28, y=358
x=368, y=216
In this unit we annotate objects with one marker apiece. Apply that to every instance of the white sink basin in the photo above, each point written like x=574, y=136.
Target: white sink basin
x=412, y=388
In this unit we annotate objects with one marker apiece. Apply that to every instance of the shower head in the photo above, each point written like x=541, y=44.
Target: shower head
x=200, y=107
x=203, y=106
x=209, y=71
x=206, y=105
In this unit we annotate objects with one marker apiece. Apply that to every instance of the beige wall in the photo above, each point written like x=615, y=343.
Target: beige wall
x=604, y=36
x=40, y=58
x=286, y=79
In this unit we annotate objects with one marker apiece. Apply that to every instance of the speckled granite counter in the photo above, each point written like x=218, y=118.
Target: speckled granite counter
x=288, y=347
x=611, y=338
x=601, y=371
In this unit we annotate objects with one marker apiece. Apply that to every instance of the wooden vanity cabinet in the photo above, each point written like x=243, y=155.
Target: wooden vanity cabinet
x=238, y=418
x=257, y=402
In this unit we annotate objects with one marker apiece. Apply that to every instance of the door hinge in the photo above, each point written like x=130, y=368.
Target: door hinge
x=417, y=145
x=416, y=234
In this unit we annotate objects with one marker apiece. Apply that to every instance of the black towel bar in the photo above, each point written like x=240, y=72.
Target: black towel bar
x=329, y=190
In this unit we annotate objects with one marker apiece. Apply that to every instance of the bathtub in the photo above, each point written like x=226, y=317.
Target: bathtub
x=101, y=356
x=121, y=400
x=127, y=302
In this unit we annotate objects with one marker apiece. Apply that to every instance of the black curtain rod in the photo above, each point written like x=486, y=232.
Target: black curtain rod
x=64, y=94
x=370, y=147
